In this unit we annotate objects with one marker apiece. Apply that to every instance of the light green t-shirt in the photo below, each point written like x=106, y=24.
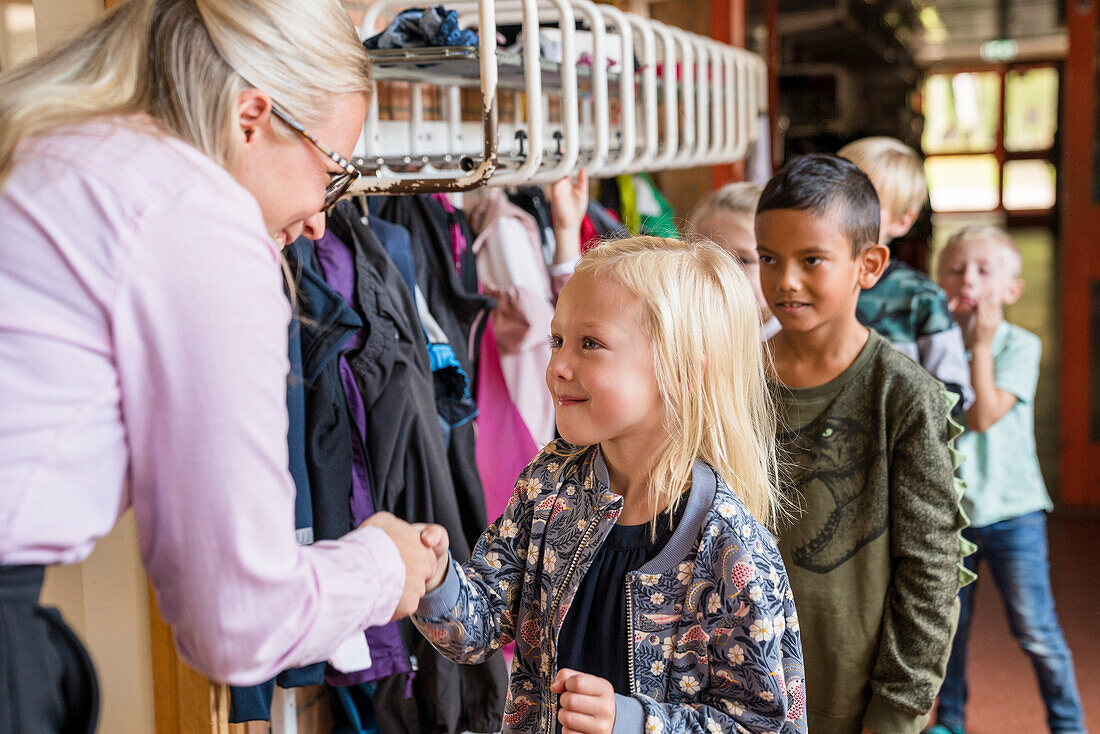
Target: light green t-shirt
x=1001, y=470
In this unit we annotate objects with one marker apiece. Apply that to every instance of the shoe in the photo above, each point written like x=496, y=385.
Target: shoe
x=941, y=729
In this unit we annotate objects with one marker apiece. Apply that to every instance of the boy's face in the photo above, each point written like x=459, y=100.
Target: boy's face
x=807, y=270
x=979, y=269
x=733, y=233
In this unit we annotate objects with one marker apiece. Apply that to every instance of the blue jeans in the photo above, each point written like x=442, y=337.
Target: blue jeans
x=1016, y=554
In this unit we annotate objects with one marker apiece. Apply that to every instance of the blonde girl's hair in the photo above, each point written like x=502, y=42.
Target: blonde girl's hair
x=184, y=63
x=895, y=169
x=704, y=325
x=738, y=199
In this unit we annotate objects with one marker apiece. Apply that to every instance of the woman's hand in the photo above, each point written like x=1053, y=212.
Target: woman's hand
x=418, y=557
x=586, y=703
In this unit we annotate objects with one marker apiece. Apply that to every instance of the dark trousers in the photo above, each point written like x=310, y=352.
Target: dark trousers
x=47, y=682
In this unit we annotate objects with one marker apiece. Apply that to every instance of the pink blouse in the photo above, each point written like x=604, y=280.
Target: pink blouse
x=143, y=363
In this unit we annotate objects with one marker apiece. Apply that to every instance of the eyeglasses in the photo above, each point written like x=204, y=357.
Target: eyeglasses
x=340, y=182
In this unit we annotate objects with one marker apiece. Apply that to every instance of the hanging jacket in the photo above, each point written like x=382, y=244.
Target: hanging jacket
x=452, y=385
x=532, y=200
x=411, y=478
x=511, y=269
x=296, y=435
x=461, y=313
x=607, y=225
x=655, y=213
x=628, y=211
x=387, y=655
x=517, y=410
x=322, y=440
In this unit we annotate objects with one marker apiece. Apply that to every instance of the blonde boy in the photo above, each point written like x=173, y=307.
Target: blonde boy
x=905, y=306
x=1005, y=495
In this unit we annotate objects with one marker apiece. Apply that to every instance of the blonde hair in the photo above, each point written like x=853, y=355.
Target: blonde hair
x=988, y=233
x=704, y=325
x=736, y=198
x=895, y=169
x=184, y=63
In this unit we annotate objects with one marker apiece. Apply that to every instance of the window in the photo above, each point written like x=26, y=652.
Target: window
x=1028, y=185
x=989, y=136
x=962, y=183
x=962, y=112
x=1031, y=109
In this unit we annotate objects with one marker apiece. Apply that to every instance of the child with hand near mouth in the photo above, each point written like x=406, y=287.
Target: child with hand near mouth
x=873, y=550
x=633, y=566
x=1005, y=495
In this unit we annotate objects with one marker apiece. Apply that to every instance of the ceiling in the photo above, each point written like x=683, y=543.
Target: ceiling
x=977, y=21
x=1037, y=26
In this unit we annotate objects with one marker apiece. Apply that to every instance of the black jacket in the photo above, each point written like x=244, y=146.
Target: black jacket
x=412, y=478
x=461, y=312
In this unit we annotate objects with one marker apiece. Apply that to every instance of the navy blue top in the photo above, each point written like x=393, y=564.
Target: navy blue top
x=593, y=637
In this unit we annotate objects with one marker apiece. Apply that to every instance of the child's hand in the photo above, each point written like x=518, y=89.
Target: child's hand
x=569, y=203
x=435, y=538
x=586, y=703
x=987, y=317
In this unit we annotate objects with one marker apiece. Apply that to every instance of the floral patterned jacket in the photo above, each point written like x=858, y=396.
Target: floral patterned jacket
x=716, y=646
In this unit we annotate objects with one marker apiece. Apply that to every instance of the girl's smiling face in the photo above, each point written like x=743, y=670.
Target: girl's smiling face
x=601, y=372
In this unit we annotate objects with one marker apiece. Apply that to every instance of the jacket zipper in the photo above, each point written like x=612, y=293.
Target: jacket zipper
x=630, y=637
x=551, y=717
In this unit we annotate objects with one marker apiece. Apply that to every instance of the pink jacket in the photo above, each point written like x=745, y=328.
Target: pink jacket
x=517, y=412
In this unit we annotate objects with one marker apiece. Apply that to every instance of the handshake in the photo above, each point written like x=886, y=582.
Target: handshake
x=423, y=550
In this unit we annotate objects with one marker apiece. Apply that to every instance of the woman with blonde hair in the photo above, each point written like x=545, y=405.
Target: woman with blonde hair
x=150, y=171
x=633, y=566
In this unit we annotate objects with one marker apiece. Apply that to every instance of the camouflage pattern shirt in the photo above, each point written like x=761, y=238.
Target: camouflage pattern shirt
x=911, y=312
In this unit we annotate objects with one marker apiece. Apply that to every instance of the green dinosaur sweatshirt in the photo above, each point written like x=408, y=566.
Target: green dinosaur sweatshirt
x=872, y=547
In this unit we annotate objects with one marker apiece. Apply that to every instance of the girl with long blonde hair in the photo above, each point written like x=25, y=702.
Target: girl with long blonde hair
x=633, y=566
x=150, y=170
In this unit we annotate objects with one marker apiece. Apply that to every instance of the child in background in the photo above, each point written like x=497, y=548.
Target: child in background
x=905, y=306
x=725, y=217
x=632, y=566
x=1005, y=495
x=873, y=552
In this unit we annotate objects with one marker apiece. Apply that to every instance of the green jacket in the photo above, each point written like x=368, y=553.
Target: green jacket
x=873, y=549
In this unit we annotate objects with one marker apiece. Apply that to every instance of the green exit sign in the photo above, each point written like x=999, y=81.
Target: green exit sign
x=1000, y=50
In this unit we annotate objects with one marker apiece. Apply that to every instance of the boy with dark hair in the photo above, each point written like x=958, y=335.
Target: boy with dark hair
x=873, y=548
